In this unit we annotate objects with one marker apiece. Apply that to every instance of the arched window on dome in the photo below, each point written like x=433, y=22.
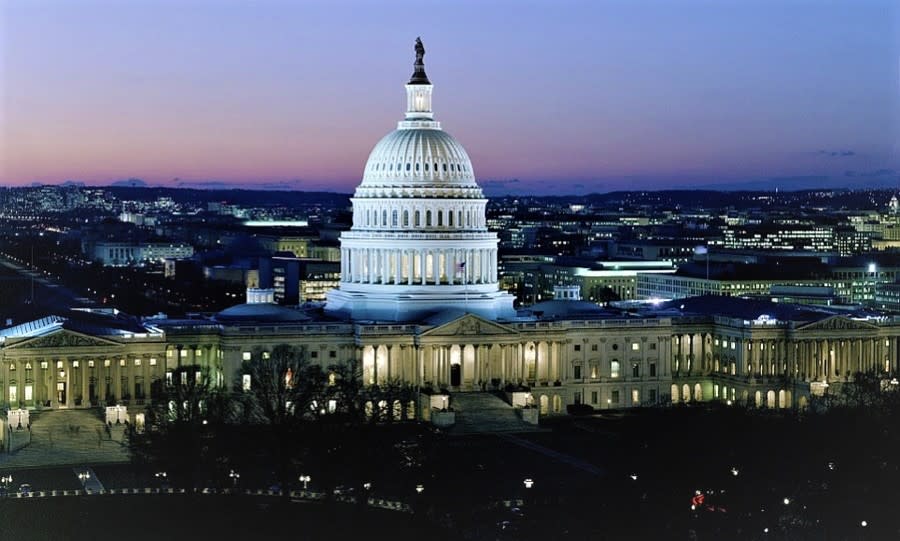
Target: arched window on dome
x=368, y=217
x=392, y=167
x=426, y=167
x=417, y=219
x=435, y=167
x=408, y=166
x=384, y=218
x=417, y=167
x=440, y=218
x=469, y=218
x=450, y=219
x=445, y=167
x=393, y=218
x=459, y=217
x=405, y=218
x=427, y=218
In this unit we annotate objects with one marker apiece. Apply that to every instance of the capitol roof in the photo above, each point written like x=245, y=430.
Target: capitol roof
x=261, y=312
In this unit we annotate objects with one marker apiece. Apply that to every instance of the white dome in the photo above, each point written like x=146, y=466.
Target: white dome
x=409, y=161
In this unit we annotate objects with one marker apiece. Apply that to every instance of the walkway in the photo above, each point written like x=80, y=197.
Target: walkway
x=555, y=455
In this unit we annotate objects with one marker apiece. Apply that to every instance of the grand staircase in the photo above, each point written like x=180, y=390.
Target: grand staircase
x=64, y=437
x=485, y=413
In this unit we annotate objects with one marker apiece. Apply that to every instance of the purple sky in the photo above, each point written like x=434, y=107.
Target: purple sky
x=565, y=96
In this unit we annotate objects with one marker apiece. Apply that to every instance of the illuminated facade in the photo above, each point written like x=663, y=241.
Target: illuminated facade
x=419, y=302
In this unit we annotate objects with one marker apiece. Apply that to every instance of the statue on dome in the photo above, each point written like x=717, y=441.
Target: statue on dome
x=418, y=76
x=420, y=52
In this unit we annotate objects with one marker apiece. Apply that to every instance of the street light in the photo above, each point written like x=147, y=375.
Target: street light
x=305, y=479
x=83, y=477
x=419, y=489
x=787, y=501
x=234, y=477
x=735, y=472
x=529, y=482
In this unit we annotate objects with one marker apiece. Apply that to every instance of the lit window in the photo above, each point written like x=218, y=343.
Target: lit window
x=121, y=362
x=183, y=353
x=59, y=364
x=152, y=361
x=184, y=378
x=137, y=362
x=75, y=364
x=245, y=382
x=170, y=353
x=44, y=364
x=90, y=364
x=635, y=396
x=265, y=356
x=635, y=346
x=614, y=369
x=246, y=355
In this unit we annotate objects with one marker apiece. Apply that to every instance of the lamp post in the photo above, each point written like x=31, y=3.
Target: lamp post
x=305, y=479
x=235, y=476
x=6, y=480
x=83, y=477
x=420, y=489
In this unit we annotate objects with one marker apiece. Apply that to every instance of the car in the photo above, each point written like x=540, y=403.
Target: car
x=25, y=489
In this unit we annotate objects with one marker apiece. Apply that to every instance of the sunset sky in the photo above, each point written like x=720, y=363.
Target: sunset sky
x=546, y=96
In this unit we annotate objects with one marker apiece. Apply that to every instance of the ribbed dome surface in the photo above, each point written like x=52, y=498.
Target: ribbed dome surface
x=420, y=156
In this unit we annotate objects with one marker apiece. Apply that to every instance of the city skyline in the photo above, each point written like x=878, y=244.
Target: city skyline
x=587, y=98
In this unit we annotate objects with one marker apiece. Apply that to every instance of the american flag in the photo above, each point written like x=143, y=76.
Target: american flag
x=461, y=267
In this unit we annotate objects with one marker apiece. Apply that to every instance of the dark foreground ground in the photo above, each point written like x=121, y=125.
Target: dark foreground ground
x=191, y=518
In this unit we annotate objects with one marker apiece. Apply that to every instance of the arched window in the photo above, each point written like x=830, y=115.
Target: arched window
x=435, y=167
x=417, y=167
x=417, y=220
x=440, y=218
x=427, y=218
x=426, y=167
x=445, y=167
x=408, y=166
x=614, y=368
x=393, y=218
x=469, y=218
x=459, y=217
x=384, y=218
x=405, y=218
x=450, y=218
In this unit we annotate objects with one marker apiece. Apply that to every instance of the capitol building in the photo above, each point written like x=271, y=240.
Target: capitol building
x=419, y=302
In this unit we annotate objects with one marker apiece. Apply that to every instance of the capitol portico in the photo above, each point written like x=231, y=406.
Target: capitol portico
x=419, y=302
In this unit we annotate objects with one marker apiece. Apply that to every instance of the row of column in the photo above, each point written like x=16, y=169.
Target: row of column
x=419, y=266
x=72, y=382
x=811, y=359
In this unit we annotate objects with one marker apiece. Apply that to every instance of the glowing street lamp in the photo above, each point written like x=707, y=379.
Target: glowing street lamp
x=529, y=482
x=735, y=472
x=305, y=479
x=787, y=501
x=420, y=489
x=235, y=476
x=83, y=476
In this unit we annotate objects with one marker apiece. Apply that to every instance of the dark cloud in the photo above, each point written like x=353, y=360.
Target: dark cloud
x=835, y=153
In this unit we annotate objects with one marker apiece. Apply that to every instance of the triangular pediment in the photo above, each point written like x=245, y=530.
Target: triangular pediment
x=64, y=338
x=469, y=325
x=837, y=323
